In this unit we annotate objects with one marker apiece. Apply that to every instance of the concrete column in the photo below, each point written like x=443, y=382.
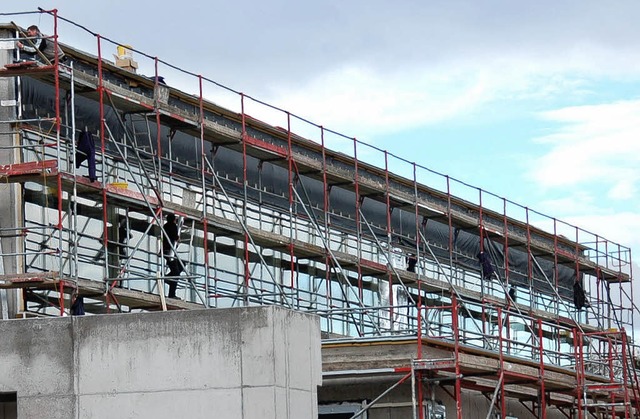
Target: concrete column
x=10, y=198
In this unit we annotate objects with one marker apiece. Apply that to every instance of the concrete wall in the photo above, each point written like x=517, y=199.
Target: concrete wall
x=261, y=362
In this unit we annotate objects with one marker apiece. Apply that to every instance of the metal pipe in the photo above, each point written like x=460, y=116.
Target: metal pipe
x=374, y=401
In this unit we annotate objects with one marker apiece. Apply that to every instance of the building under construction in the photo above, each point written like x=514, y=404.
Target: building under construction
x=435, y=299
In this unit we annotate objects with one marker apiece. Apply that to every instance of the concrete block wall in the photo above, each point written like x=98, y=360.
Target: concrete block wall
x=261, y=362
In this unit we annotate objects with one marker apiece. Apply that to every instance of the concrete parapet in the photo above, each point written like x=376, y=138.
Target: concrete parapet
x=233, y=363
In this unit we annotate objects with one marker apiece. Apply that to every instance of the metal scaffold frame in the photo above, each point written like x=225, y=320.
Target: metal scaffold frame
x=271, y=217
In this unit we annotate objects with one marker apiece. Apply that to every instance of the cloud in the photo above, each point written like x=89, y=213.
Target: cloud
x=592, y=145
x=587, y=167
x=620, y=227
x=358, y=100
x=572, y=202
x=370, y=102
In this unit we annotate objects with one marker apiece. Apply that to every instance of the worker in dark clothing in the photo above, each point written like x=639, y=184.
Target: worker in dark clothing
x=86, y=150
x=170, y=241
x=412, y=260
x=77, y=305
x=579, y=297
x=485, y=265
x=123, y=236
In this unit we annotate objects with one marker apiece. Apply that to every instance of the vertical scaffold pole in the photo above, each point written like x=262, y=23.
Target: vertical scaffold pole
x=577, y=264
x=456, y=337
x=418, y=236
x=388, y=230
x=505, y=227
x=633, y=329
x=480, y=220
x=292, y=265
x=556, y=269
x=507, y=297
x=105, y=232
x=419, y=302
x=450, y=225
x=203, y=166
x=418, y=373
x=482, y=287
x=359, y=235
x=579, y=354
x=74, y=207
x=542, y=412
x=610, y=341
x=244, y=203
x=626, y=363
x=159, y=186
x=529, y=260
x=156, y=108
x=387, y=201
x=599, y=283
x=325, y=207
x=503, y=402
x=56, y=75
x=620, y=290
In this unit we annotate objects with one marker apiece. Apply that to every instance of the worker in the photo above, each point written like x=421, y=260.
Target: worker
x=77, y=304
x=579, y=297
x=485, y=265
x=86, y=150
x=123, y=236
x=35, y=42
x=412, y=260
x=170, y=240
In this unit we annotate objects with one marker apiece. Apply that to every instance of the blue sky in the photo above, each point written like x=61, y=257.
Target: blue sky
x=534, y=101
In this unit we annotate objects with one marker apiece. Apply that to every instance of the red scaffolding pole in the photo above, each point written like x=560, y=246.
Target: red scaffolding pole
x=244, y=204
x=59, y=226
x=325, y=207
x=387, y=201
x=203, y=171
x=579, y=362
x=505, y=227
x=556, y=269
x=359, y=234
x=105, y=232
x=292, y=265
x=456, y=337
x=543, y=396
x=529, y=259
x=501, y=369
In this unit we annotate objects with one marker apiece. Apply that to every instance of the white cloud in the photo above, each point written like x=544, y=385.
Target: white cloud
x=590, y=161
x=366, y=102
x=572, y=202
x=359, y=101
x=593, y=145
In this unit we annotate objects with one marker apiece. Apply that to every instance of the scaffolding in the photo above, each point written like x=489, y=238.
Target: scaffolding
x=268, y=216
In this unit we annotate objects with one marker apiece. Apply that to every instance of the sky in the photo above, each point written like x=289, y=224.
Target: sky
x=533, y=101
